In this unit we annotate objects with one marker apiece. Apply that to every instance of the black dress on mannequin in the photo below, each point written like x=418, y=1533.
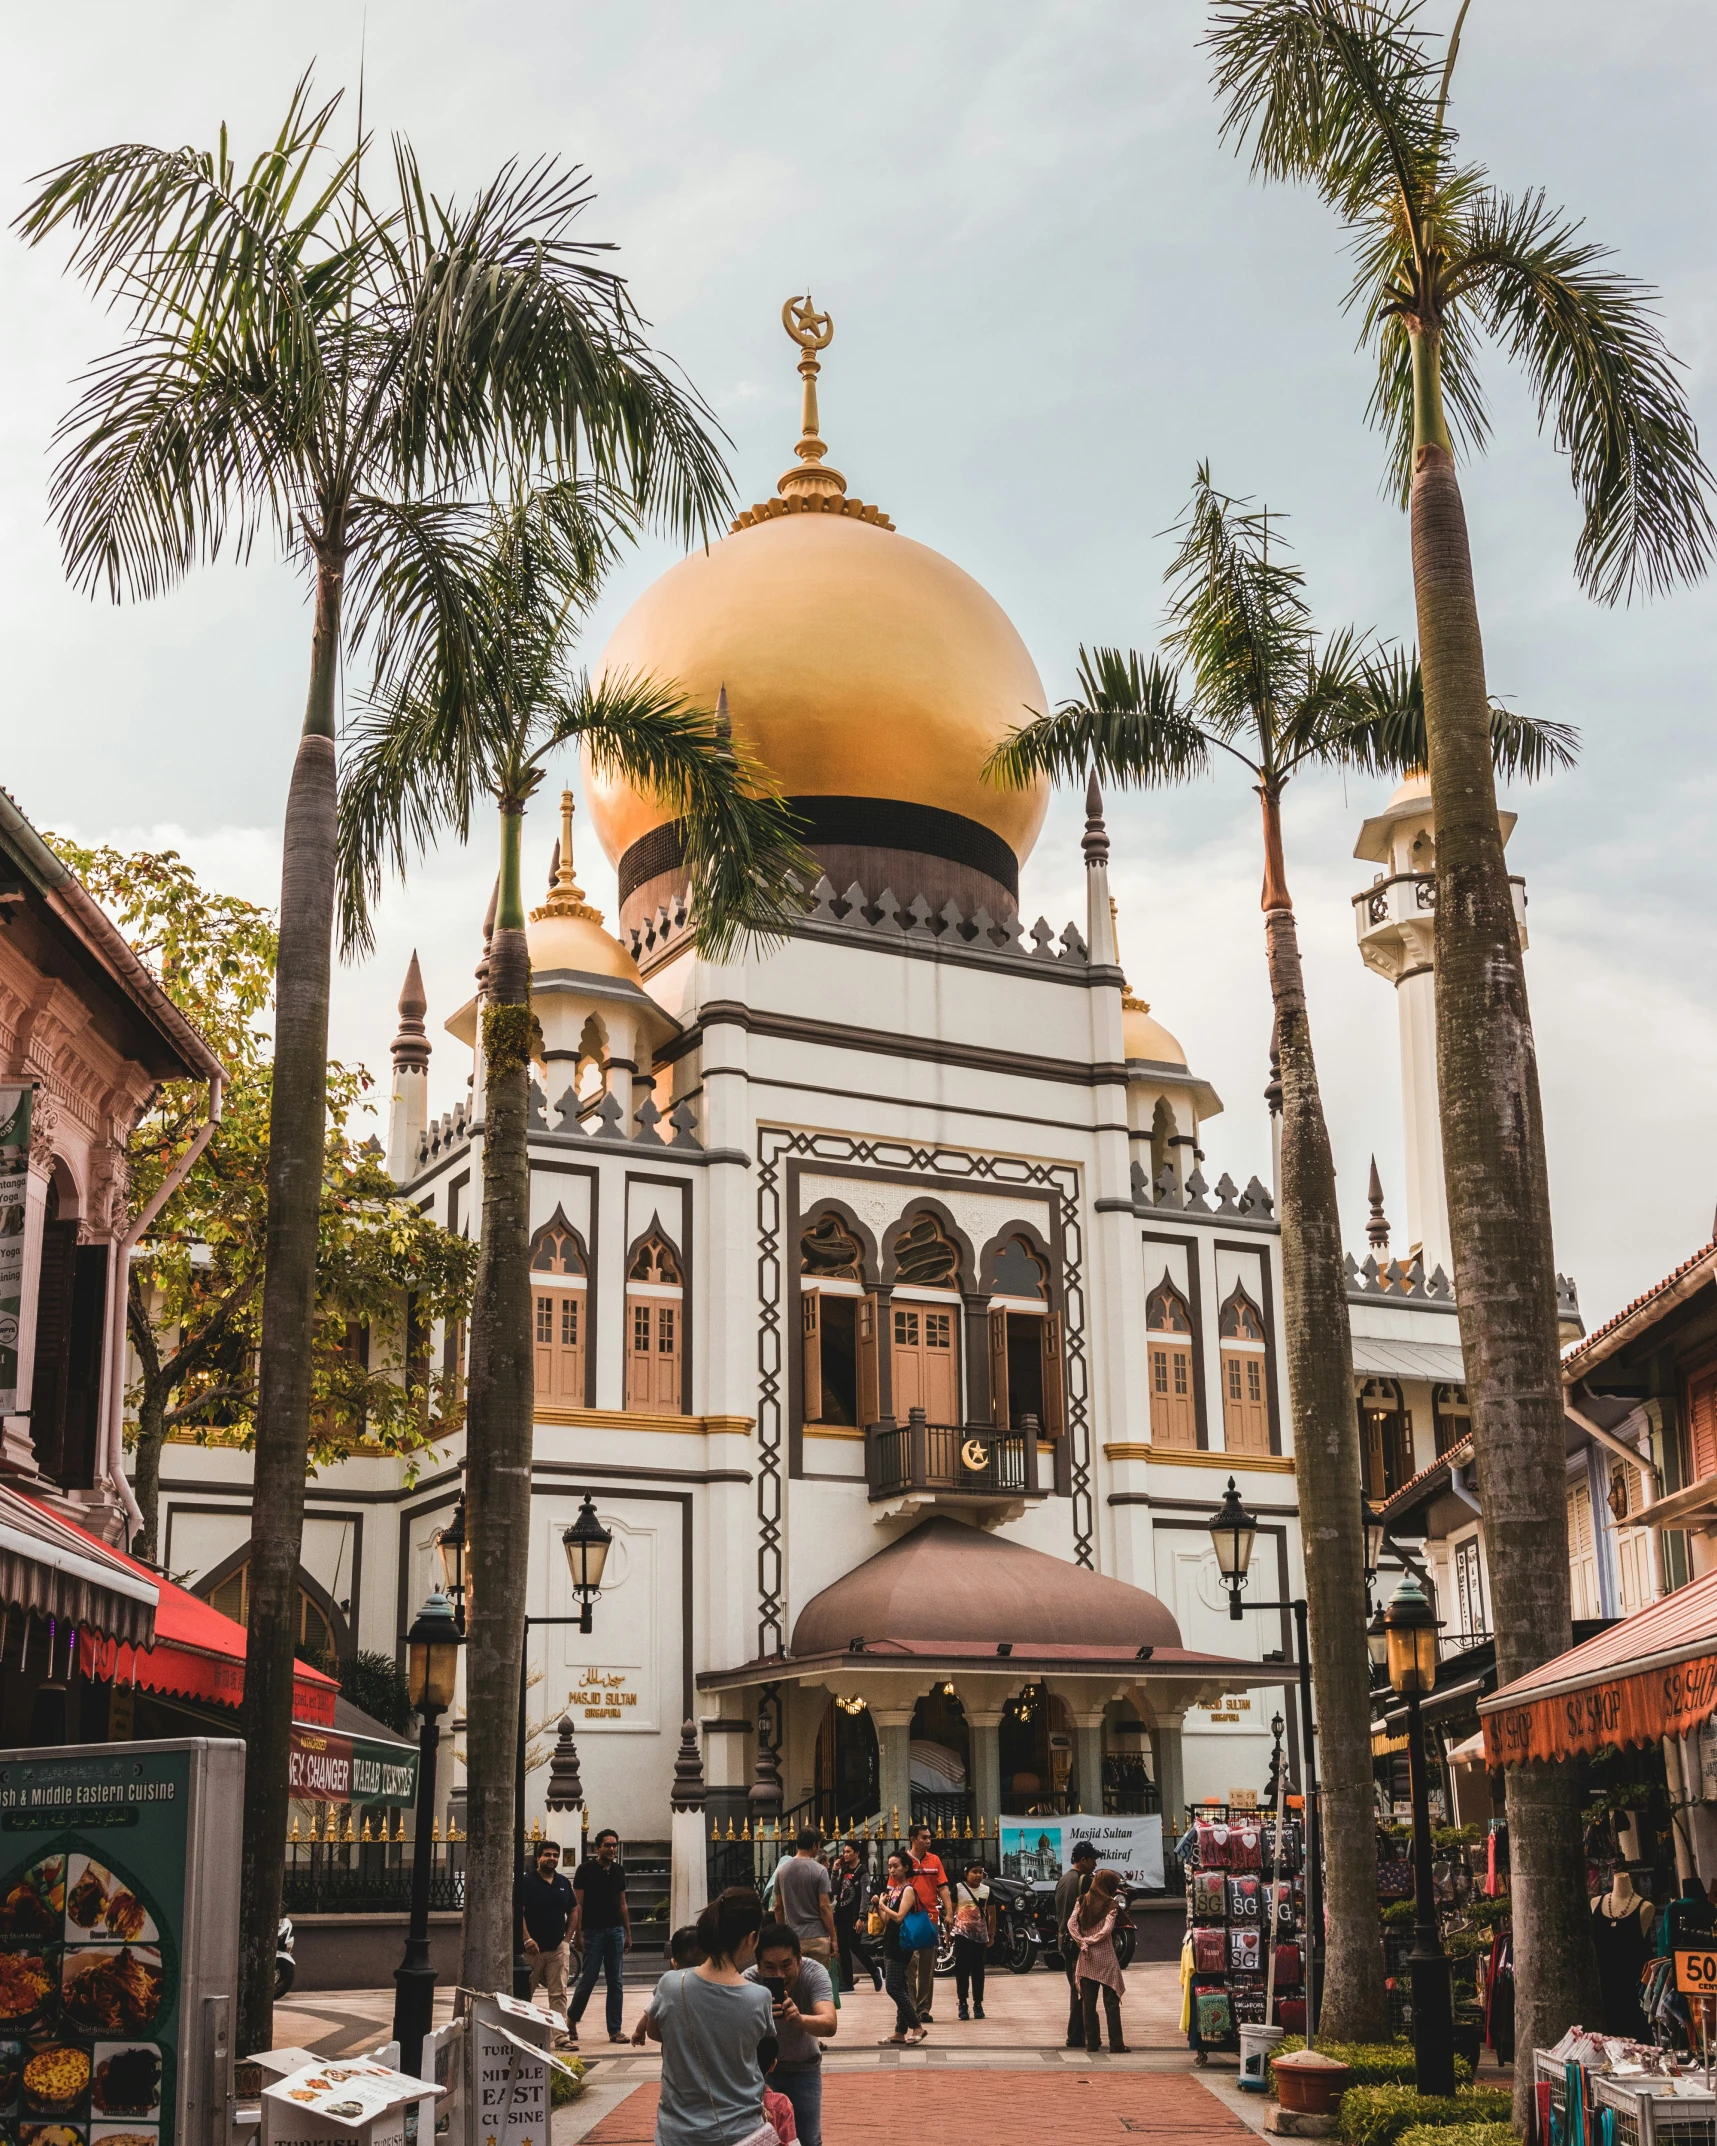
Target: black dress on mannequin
x=1622, y=1952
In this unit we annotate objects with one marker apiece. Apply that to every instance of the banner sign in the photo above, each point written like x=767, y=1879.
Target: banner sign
x=1037, y=1849
x=326, y=1767
x=14, y=1177
x=118, y=1927
x=1696, y=1973
x=1639, y=1709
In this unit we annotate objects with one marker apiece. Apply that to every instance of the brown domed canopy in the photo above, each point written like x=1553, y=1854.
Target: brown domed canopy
x=947, y=1582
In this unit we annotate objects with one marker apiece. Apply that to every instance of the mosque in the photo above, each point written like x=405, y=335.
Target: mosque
x=886, y=1302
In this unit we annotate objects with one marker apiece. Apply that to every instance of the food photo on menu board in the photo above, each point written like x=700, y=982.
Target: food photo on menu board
x=86, y=1997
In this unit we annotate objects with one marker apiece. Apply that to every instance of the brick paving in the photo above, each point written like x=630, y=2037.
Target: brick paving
x=999, y=2108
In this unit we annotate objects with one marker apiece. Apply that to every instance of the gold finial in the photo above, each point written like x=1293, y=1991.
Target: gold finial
x=565, y=895
x=1129, y=1004
x=812, y=331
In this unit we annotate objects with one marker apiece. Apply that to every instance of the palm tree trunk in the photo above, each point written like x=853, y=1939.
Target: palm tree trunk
x=1499, y=1222
x=498, y=1447
x=1327, y=1478
x=297, y=1128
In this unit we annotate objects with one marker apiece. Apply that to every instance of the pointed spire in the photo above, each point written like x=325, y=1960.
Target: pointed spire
x=411, y=1045
x=812, y=331
x=1096, y=842
x=565, y=895
x=723, y=720
x=1129, y=1002
x=1377, y=1229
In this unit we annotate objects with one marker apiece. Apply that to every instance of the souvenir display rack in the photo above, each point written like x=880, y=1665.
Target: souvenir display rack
x=1228, y=1856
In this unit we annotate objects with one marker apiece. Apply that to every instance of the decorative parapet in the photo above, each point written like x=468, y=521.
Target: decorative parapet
x=1399, y=1282
x=1254, y=1204
x=603, y=1120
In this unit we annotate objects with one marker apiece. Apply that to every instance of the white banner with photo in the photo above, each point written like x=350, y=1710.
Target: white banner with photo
x=14, y=1178
x=1038, y=1848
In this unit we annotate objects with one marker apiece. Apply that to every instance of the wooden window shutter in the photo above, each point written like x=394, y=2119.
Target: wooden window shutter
x=1702, y=1424
x=869, y=1382
x=1054, y=1379
x=999, y=1415
x=811, y=1352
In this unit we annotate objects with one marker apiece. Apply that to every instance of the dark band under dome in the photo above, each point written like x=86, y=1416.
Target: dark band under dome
x=855, y=822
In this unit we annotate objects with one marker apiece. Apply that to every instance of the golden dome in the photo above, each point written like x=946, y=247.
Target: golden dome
x=566, y=932
x=858, y=664
x=1145, y=1037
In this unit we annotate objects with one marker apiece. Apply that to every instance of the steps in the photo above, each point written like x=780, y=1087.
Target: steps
x=649, y=1879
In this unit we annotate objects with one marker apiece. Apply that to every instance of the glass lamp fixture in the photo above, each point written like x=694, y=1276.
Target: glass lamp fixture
x=450, y=1554
x=432, y=1655
x=1232, y=1529
x=586, y=1544
x=1377, y=1641
x=1373, y=1536
x=1411, y=1627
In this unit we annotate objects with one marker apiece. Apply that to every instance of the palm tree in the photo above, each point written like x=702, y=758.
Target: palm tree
x=1353, y=96
x=1260, y=688
x=298, y=360
x=435, y=744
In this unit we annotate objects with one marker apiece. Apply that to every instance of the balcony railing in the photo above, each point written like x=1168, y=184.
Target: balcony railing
x=951, y=1460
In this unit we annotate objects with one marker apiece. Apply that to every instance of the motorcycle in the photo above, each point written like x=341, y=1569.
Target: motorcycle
x=1015, y=1947
x=1048, y=1929
x=285, y=1966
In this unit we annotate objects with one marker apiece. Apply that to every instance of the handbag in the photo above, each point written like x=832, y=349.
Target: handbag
x=873, y=1923
x=918, y=1932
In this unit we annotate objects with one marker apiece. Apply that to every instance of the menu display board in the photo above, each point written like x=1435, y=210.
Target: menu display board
x=114, y=1914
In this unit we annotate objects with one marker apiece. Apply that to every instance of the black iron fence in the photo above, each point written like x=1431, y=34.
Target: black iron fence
x=347, y=1874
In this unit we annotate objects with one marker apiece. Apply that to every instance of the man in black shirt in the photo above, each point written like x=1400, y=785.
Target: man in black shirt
x=547, y=1903
x=602, y=1922
x=1074, y=1884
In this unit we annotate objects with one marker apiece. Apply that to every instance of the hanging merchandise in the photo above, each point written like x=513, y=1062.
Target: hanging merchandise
x=1243, y=1929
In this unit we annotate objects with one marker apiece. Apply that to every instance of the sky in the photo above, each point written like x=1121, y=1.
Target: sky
x=1055, y=291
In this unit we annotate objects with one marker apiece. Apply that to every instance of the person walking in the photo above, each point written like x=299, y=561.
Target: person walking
x=602, y=1920
x=547, y=1907
x=1091, y=1931
x=803, y=1894
x=930, y=1881
x=1070, y=1889
x=974, y=1934
x=897, y=1900
x=805, y=2017
x=852, y=1894
x=710, y=2022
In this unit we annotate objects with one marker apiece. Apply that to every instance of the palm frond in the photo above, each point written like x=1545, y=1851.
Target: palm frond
x=1126, y=722
x=749, y=870
x=1384, y=731
x=1237, y=612
x=1341, y=92
x=1605, y=382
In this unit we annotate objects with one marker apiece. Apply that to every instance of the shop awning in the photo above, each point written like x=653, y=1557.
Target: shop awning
x=356, y=1761
x=56, y=1570
x=1651, y=1675
x=199, y=1654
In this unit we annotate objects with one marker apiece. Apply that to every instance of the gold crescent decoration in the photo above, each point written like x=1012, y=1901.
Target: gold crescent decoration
x=975, y=1453
x=810, y=329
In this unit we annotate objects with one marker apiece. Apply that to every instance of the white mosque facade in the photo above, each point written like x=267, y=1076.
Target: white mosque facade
x=891, y=1299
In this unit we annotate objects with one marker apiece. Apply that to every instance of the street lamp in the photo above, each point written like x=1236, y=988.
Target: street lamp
x=1410, y=1627
x=1372, y=1524
x=450, y=1556
x=1232, y=1533
x=586, y=1544
x=432, y=1669
x=1377, y=1641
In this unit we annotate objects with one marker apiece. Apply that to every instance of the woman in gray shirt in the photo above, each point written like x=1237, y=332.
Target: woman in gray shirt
x=709, y=2021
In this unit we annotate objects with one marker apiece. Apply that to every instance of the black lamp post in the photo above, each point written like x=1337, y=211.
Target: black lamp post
x=1410, y=1626
x=586, y=1544
x=432, y=1657
x=1232, y=1533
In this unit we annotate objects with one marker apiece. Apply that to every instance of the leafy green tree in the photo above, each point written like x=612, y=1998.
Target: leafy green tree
x=1259, y=687
x=1352, y=96
x=194, y=1292
x=306, y=356
x=430, y=754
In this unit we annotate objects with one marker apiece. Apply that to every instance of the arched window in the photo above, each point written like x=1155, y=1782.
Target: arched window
x=1245, y=1412
x=655, y=1321
x=1168, y=1350
x=559, y=1313
x=1016, y=1268
x=1451, y=1415
x=1026, y=1369
x=829, y=1250
x=1385, y=1439
x=925, y=1257
x=323, y=1635
x=1163, y=1132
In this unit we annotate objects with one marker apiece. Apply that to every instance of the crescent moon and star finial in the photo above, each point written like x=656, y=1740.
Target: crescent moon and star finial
x=812, y=331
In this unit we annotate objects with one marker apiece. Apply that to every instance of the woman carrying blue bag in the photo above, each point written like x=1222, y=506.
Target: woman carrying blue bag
x=901, y=1914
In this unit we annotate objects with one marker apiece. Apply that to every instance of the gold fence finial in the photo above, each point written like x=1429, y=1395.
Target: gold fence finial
x=812, y=331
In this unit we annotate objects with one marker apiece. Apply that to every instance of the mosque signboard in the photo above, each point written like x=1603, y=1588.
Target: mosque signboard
x=1037, y=1849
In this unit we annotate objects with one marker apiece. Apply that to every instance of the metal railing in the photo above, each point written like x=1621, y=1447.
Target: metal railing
x=349, y=1875
x=972, y=1459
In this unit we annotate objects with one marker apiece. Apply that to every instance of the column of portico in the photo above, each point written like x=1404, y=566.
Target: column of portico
x=893, y=1725
x=1168, y=1770
x=984, y=1724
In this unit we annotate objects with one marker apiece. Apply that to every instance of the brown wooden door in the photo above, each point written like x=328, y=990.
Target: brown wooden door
x=925, y=1363
x=560, y=1347
x=811, y=1353
x=999, y=1406
x=1054, y=1378
x=1174, y=1422
x=653, y=1355
x=868, y=1361
x=53, y=1345
x=1702, y=1425
x=1245, y=1415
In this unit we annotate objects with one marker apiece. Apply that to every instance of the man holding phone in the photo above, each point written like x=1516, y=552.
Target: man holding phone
x=803, y=1997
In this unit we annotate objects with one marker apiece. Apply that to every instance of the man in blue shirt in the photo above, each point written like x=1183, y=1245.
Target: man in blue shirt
x=547, y=1911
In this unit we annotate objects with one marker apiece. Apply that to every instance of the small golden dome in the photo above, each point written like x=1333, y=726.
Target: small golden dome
x=1145, y=1037
x=858, y=664
x=566, y=932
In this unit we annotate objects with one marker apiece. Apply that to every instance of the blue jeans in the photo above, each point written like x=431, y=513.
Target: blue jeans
x=803, y=2086
x=603, y=1949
